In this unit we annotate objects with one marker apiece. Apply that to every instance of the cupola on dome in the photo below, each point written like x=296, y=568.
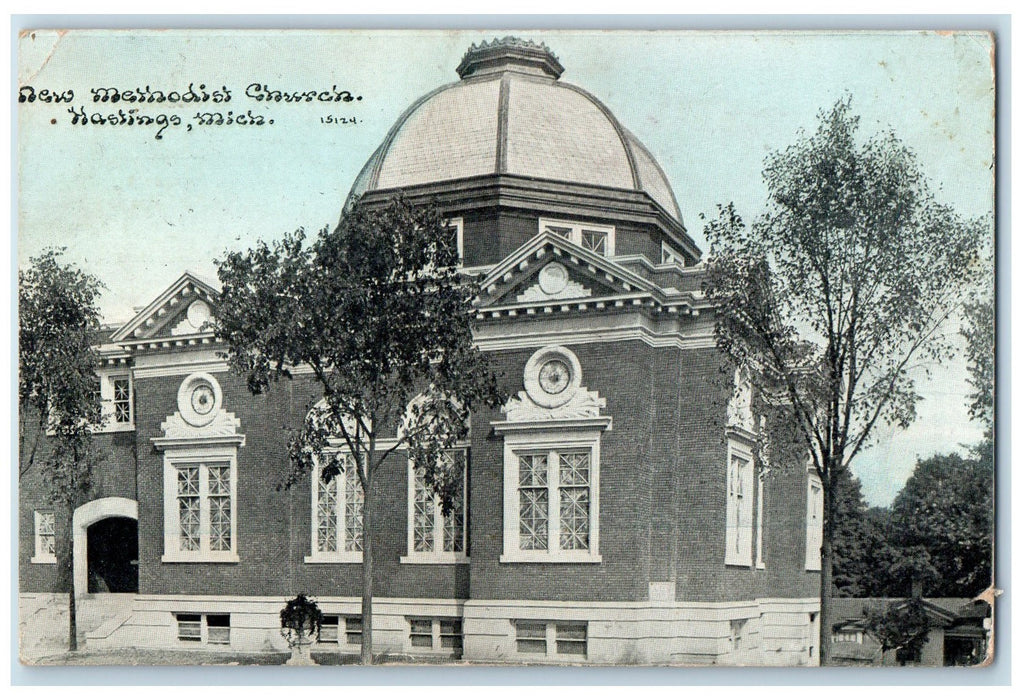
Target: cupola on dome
x=511, y=115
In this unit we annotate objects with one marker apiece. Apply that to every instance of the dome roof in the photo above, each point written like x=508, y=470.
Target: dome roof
x=510, y=115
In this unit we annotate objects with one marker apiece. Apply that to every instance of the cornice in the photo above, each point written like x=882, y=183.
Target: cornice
x=552, y=197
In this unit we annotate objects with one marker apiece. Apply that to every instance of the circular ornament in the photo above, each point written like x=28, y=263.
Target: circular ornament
x=553, y=278
x=552, y=376
x=198, y=313
x=202, y=399
x=199, y=398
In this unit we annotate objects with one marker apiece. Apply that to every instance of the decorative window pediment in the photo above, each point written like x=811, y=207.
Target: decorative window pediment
x=554, y=392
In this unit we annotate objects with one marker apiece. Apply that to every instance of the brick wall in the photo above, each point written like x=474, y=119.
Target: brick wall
x=115, y=477
x=662, y=497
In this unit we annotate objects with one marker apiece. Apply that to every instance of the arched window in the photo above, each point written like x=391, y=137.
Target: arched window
x=337, y=503
x=435, y=537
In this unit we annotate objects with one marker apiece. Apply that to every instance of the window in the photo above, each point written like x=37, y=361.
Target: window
x=432, y=536
x=551, y=638
x=551, y=509
x=328, y=629
x=334, y=625
x=457, y=226
x=554, y=500
x=670, y=255
x=122, y=400
x=337, y=515
x=571, y=638
x=435, y=634
x=847, y=636
x=738, y=537
x=115, y=397
x=594, y=237
x=200, y=519
x=737, y=634
x=211, y=629
x=814, y=522
x=353, y=630
x=45, y=538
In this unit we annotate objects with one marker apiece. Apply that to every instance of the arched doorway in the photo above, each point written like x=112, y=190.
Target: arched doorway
x=113, y=556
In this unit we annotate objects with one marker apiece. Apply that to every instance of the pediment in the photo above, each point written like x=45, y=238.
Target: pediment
x=551, y=268
x=184, y=308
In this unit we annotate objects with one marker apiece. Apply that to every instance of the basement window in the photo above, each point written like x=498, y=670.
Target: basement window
x=435, y=634
x=209, y=629
x=551, y=639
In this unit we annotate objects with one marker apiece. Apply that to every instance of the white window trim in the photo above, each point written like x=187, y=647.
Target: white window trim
x=437, y=557
x=760, y=505
x=342, y=555
x=576, y=232
x=171, y=516
x=106, y=396
x=669, y=255
x=458, y=224
x=741, y=557
x=516, y=443
x=39, y=556
x=813, y=561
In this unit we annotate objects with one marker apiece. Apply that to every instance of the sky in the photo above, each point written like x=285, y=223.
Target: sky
x=136, y=211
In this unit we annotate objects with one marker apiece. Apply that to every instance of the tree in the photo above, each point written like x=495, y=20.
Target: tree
x=839, y=294
x=902, y=626
x=57, y=391
x=378, y=311
x=946, y=508
x=861, y=550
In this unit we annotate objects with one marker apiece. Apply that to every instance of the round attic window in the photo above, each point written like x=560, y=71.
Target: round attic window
x=552, y=376
x=199, y=398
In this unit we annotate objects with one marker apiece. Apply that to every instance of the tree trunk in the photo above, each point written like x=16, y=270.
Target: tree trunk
x=69, y=572
x=826, y=571
x=367, y=572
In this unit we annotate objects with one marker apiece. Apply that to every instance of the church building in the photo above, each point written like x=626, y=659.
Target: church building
x=615, y=510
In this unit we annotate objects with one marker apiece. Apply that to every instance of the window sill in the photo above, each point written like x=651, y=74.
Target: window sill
x=200, y=558
x=426, y=558
x=338, y=558
x=115, y=428
x=43, y=560
x=548, y=558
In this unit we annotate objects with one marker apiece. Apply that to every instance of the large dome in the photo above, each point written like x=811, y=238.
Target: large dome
x=511, y=115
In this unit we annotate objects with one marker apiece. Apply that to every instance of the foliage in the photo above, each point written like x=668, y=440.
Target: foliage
x=900, y=625
x=840, y=292
x=57, y=390
x=946, y=510
x=978, y=331
x=300, y=619
x=862, y=553
x=379, y=312
x=58, y=320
